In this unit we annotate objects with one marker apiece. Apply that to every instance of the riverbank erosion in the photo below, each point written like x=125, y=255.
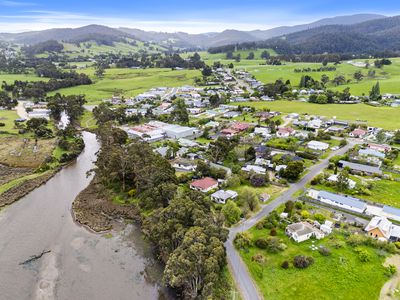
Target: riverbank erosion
x=23, y=188
x=94, y=208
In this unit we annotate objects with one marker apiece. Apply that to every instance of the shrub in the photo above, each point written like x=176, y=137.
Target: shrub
x=273, y=232
x=298, y=205
x=275, y=245
x=356, y=240
x=324, y=251
x=261, y=243
x=397, y=244
x=2, y=124
x=260, y=224
x=259, y=258
x=305, y=214
x=285, y=264
x=320, y=218
x=302, y=262
x=363, y=254
x=391, y=270
x=242, y=240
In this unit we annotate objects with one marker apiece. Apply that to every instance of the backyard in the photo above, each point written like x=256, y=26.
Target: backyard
x=340, y=275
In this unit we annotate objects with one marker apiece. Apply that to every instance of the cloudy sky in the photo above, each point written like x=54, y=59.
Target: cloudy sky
x=172, y=15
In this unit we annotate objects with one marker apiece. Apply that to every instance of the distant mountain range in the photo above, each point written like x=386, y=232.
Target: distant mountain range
x=294, y=34
x=366, y=37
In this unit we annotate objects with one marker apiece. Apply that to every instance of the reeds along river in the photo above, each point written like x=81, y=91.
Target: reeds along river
x=81, y=264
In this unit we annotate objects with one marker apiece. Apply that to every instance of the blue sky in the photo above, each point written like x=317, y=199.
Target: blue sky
x=173, y=15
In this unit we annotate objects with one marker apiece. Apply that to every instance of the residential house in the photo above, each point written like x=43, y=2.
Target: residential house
x=379, y=228
x=371, y=152
x=255, y=169
x=350, y=183
x=360, y=168
x=184, y=165
x=316, y=145
x=204, y=185
x=285, y=132
x=303, y=231
x=222, y=196
x=358, y=133
x=380, y=147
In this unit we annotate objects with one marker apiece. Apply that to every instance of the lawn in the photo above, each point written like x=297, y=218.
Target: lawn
x=385, y=117
x=273, y=190
x=130, y=82
x=88, y=121
x=338, y=276
x=7, y=117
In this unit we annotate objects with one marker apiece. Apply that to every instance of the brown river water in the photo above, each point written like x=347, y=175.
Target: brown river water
x=81, y=265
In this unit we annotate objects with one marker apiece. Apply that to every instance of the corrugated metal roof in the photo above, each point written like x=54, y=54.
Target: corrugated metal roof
x=349, y=201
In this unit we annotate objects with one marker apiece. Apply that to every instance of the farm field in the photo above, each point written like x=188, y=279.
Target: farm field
x=388, y=76
x=10, y=78
x=129, y=82
x=338, y=276
x=384, y=117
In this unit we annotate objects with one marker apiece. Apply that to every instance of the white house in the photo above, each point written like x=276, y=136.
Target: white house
x=303, y=231
x=350, y=183
x=255, y=169
x=222, y=196
x=316, y=145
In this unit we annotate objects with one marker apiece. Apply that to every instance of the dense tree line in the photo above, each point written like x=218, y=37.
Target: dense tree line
x=188, y=235
x=48, y=46
x=39, y=89
x=72, y=105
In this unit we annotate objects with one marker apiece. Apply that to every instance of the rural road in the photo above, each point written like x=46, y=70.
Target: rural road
x=239, y=271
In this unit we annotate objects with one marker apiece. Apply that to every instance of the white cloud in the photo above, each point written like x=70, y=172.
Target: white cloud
x=15, y=3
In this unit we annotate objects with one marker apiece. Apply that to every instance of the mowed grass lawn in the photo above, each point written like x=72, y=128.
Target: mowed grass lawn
x=339, y=276
x=385, y=117
x=129, y=82
x=7, y=117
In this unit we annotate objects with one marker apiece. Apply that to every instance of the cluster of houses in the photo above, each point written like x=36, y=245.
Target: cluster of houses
x=381, y=214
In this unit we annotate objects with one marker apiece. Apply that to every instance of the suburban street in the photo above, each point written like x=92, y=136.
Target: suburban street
x=239, y=271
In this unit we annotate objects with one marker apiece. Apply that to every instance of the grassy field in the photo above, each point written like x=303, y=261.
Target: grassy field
x=388, y=76
x=10, y=78
x=7, y=117
x=338, y=276
x=385, y=117
x=131, y=82
x=14, y=153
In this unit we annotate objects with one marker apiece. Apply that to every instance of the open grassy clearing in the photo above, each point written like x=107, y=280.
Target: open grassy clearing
x=339, y=276
x=10, y=78
x=129, y=82
x=385, y=117
x=7, y=117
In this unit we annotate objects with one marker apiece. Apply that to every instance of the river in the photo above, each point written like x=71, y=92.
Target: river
x=81, y=265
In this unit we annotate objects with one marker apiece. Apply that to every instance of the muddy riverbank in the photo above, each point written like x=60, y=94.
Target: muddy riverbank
x=94, y=209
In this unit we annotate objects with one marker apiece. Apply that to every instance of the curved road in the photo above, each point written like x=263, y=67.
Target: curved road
x=243, y=279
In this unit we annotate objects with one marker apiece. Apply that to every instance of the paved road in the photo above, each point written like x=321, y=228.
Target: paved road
x=239, y=271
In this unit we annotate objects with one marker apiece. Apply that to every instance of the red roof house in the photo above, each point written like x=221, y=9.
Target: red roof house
x=204, y=185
